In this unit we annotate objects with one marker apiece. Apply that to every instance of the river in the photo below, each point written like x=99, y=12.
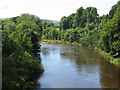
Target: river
x=68, y=66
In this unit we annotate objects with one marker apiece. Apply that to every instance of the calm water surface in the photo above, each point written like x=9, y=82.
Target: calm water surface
x=75, y=67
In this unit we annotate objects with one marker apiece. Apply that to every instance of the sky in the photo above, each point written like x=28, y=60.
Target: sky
x=51, y=9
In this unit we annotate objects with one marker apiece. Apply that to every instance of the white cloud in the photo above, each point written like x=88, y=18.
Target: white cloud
x=51, y=9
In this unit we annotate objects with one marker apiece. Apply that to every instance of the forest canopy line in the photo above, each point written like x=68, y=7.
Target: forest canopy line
x=89, y=29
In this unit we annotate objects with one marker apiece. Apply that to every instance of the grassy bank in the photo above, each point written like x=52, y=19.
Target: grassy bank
x=115, y=61
x=110, y=58
x=60, y=42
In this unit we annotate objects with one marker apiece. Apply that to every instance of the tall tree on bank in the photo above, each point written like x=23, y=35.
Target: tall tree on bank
x=20, y=47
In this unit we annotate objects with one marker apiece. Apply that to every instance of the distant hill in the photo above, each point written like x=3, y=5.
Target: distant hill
x=4, y=18
x=51, y=21
x=43, y=20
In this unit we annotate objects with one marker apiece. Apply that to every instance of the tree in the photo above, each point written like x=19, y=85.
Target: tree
x=78, y=17
x=64, y=24
x=20, y=47
x=110, y=35
x=112, y=11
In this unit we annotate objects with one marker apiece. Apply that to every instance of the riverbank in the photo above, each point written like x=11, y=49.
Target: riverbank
x=107, y=56
x=60, y=42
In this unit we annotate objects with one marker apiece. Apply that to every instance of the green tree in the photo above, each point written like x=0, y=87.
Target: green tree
x=110, y=35
x=19, y=46
x=79, y=19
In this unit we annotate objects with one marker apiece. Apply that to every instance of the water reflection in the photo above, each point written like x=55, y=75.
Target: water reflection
x=75, y=67
x=84, y=59
x=89, y=61
x=45, y=51
x=108, y=75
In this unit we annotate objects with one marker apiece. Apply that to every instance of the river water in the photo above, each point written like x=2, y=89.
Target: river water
x=69, y=66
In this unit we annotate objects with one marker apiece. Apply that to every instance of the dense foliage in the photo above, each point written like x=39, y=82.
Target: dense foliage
x=89, y=29
x=20, y=37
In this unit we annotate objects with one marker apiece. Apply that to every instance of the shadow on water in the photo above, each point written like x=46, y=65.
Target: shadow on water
x=108, y=74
